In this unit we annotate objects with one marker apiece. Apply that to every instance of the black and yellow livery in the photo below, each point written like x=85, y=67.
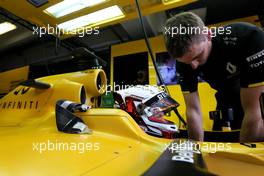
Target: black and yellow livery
x=28, y=122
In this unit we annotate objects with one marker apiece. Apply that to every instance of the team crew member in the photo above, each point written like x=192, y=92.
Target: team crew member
x=230, y=59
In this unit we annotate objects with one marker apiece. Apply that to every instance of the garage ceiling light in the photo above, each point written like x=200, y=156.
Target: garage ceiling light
x=69, y=6
x=166, y=2
x=96, y=18
x=6, y=27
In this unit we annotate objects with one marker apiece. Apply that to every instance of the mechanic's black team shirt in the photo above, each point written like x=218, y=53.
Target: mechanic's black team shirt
x=236, y=60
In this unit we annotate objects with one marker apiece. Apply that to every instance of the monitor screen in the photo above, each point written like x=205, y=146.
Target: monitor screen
x=167, y=68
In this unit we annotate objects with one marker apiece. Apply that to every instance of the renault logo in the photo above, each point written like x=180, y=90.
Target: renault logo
x=231, y=68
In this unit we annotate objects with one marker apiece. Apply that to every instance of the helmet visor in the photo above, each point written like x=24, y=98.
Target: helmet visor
x=161, y=101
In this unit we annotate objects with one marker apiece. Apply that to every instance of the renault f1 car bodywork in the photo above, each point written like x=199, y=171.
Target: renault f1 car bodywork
x=31, y=144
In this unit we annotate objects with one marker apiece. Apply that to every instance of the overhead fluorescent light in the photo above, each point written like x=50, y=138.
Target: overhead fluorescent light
x=6, y=27
x=166, y=2
x=96, y=18
x=69, y=6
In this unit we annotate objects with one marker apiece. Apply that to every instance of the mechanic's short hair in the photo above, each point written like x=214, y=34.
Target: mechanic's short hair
x=179, y=43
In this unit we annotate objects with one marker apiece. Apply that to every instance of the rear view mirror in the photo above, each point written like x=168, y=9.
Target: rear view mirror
x=67, y=121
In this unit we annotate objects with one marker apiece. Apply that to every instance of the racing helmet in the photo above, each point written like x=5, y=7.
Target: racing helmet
x=148, y=107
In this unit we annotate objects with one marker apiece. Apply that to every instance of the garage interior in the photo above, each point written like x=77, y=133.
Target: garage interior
x=37, y=51
x=37, y=69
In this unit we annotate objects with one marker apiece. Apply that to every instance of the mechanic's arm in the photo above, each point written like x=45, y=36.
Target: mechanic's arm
x=252, y=126
x=194, y=116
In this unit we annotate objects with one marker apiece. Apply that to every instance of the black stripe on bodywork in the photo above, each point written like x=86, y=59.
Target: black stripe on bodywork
x=35, y=84
x=179, y=158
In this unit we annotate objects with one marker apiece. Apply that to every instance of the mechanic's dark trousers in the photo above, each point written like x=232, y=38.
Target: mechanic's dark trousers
x=228, y=100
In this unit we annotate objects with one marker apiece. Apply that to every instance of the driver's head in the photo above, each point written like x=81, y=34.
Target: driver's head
x=187, y=40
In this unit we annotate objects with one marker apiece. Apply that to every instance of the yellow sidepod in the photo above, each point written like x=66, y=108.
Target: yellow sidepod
x=28, y=103
x=95, y=84
x=67, y=90
x=93, y=80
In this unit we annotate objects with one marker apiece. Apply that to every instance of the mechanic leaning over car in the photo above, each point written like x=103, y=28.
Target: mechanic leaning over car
x=230, y=59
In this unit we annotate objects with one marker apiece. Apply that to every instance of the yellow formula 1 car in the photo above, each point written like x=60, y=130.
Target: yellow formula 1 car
x=53, y=126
